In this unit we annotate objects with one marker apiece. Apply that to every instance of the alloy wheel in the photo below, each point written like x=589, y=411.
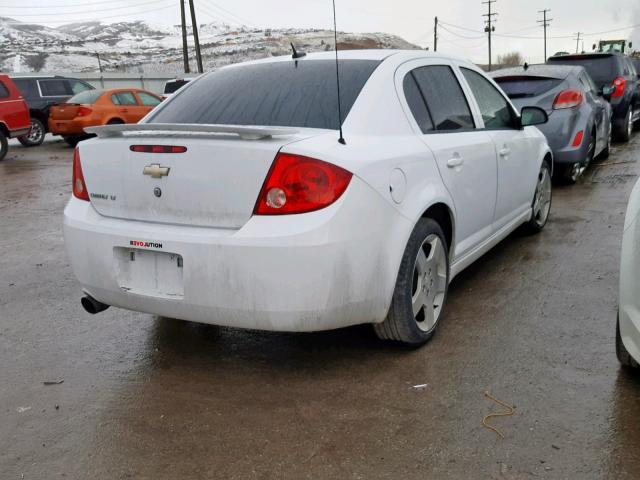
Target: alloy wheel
x=429, y=283
x=542, y=199
x=36, y=132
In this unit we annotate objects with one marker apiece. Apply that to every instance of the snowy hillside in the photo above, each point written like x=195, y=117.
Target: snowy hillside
x=151, y=49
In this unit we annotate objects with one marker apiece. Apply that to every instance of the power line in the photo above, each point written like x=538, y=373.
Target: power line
x=125, y=7
x=32, y=7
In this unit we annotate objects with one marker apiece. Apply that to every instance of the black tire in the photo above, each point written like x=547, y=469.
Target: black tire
x=604, y=154
x=4, y=146
x=36, y=136
x=537, y=222
x=624, y=135
x=564, y=174
x=72, y=141
x=115, y=121
x=401, y=324
x=625, y=359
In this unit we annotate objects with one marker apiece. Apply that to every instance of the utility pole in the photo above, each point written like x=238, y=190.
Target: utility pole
x=185, y=49
x=194, y=25
x=578, y=41
x=99, y=63
x=545, y=23
x=489, y=28
x=435, y=35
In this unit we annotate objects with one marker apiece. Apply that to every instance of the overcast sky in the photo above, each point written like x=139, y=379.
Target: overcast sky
x=411, y=19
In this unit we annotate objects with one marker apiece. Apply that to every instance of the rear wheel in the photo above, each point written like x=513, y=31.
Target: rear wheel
x=571, y=173
x=35, y=136
x=604, y=154
x=72, y=141
x=625, y=359
x=4, y=146
x=115, y=121
x=421, y=287
x=627, y=130
x=541, y=205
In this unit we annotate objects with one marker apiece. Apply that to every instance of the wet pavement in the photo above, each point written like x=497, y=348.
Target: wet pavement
x=144, y=397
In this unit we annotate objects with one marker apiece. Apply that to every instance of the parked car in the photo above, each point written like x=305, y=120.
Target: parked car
x=579, y=126
x=99, y=107
x=617, y=71
x=628, y=325
x=41, y=92
x=238, y=202
x=172, y=86
x=14, y=114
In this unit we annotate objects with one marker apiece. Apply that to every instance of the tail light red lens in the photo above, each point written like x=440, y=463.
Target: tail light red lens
x=578, y=139
x=619, y=84
x=157, y=149
x=84, y=112
x=79, y=186
x=570, y=98
x=297, y=184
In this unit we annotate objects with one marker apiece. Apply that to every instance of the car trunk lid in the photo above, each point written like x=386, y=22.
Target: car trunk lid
x=64, y=111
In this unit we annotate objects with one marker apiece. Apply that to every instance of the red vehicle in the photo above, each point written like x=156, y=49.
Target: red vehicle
x=14, y=114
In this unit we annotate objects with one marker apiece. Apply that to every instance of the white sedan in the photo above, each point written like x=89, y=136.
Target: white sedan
x=628, y=328
x=234, y=202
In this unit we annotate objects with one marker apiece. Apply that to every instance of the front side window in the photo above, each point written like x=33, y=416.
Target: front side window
x=148, y=100
x=123, y=98
x=4, y=92
x=445, y=99
x=494, y=108
x=54, y=88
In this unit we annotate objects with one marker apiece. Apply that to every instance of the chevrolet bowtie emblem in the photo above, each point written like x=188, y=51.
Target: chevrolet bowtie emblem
x=156, y=171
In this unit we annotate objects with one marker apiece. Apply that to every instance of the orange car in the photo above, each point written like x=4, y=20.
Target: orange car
x=99, y=107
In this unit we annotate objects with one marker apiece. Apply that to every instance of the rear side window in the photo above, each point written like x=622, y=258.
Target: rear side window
x=445, y=99
x=284, y=93
x=27, y=88
x=148, y=100
x=416, y=104
x=4, y=91
x=77, y=86
x=88, y=97
x=525, y=86
x=173, y=86
x=54, y=88
x=123, y=98
x=602, y=68
x=495, y=109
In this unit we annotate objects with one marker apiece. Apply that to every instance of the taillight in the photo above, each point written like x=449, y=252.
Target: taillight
x=567, y=99
x=157, y=149
x=578, y=139
x=79, y=187
x=619, y=85
x=84, y=112
x=297, y=184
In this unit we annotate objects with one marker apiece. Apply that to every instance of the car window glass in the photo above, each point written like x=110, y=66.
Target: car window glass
x=54, y=88
x=27, y=87
x=495, y=109
x=444, y=96
x=416, y=103
x=4, y=92
x=88, y=97
x=78, y=86
x=148, y=100
x=124, y=98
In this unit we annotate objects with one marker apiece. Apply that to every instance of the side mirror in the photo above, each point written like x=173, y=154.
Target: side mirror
x=533, y=116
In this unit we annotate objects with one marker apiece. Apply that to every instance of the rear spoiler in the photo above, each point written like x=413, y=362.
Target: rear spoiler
x=187, y=129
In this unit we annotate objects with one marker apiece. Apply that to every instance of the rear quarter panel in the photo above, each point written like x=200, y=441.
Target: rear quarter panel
x=14, y=113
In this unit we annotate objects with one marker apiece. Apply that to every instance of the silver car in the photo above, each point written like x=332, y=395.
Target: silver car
x=579, y=126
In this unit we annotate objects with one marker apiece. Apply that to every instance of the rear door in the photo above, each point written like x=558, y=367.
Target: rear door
x=127, y=107
x=516, y=151
x=464, y=154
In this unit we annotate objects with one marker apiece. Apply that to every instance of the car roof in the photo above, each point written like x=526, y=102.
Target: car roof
x=580, y=56
x=539, y=70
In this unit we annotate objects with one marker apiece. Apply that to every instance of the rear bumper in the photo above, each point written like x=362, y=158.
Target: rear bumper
x=317, y=271
x=561, y=130
x=68, y=127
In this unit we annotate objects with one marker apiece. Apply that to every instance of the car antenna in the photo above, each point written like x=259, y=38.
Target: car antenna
x=335, y=39
x=297, y=54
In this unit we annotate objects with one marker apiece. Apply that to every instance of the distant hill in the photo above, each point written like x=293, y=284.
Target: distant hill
x=151, y=49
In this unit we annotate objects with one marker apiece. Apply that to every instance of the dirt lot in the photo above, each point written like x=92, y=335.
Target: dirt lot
x=154, y=398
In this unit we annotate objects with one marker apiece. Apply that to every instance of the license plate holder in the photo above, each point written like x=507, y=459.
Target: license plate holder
x=150, y=273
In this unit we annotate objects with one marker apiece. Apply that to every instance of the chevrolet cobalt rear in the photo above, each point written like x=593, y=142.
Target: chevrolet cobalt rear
x=237, y=203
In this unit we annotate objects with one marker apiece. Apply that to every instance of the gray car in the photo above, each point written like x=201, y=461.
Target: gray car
x=579, y=126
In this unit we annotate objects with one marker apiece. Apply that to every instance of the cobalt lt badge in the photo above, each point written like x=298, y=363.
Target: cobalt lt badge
x=157, y=192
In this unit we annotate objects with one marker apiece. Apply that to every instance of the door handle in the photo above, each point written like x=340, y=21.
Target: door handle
x=505, y=152
x=454, y=162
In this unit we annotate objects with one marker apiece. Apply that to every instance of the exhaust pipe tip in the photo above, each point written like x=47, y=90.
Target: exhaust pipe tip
x=92, y=305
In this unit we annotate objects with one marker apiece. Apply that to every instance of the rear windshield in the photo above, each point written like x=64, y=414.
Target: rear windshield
x=173, y=86
x=283, y=94
x=603, y=69
x=88, y=97
x=522, y=87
